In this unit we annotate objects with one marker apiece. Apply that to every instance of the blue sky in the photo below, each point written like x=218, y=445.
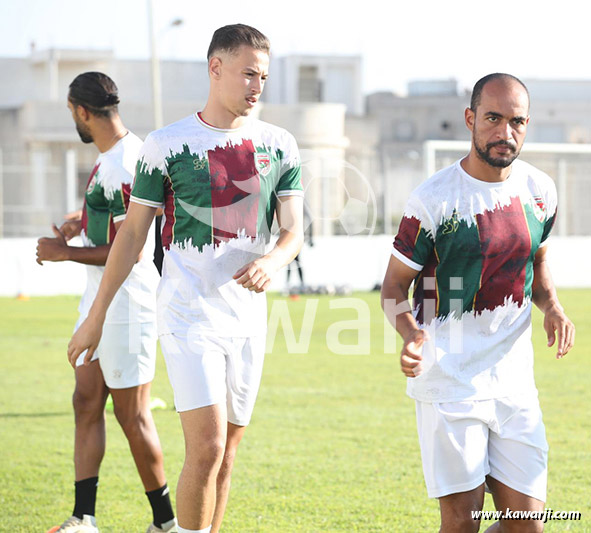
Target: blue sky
x=399, y=41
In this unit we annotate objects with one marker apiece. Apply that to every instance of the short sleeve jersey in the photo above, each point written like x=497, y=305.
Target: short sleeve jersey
x=473, y=245
x=219, y=190
x=105, y=203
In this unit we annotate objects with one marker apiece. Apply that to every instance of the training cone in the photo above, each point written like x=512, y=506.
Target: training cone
x=155, y=403
x=53, y=529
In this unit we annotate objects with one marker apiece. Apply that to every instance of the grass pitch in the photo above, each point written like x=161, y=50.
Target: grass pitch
x=332, y=446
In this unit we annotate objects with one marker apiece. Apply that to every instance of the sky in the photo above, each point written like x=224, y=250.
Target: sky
x=398, y=41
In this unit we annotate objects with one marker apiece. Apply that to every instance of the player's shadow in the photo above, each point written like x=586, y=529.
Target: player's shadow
x=33, y=415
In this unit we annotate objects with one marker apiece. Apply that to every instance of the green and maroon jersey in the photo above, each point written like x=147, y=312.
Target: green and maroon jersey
x=219, y=189
x=105, y=203
x=473, y=244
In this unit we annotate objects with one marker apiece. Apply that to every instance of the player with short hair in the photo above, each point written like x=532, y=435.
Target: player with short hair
x=473, y=239
x=221, y=177
x=123, y=364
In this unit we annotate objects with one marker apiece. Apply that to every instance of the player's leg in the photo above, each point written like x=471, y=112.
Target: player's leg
x=90, y=395
x=507, y=498
x=234, y=436
x=88, y=401
x=456, y=511
x=197, y=371
x=518, y=455
x=204, y=430
x=453, y=438
x=244, y=369
x=132, y=410
x=128, y=361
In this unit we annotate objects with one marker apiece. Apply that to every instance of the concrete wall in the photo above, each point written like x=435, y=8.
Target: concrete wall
x=320, y=133
x=357, y=262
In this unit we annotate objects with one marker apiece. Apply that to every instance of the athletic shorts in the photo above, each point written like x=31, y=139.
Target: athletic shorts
x=463, y=442
x=126, y=354
x=207, y=370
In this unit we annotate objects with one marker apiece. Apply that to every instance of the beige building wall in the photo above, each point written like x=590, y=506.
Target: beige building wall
x=362, y=157
x=37, y=133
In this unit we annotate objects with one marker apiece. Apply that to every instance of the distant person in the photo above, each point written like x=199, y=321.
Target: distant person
x=473, y=239
x=297, y=262
x=123, y=364
x=300, y=269
x=158, y=254
x=221, y=176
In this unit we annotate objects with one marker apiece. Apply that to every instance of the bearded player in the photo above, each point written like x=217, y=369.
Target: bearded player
x=473, y=239
x=124, y=362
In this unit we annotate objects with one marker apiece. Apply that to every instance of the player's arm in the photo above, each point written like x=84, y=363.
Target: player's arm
x=58, y=249
x=545, y=297
x=257, y=275
x=394, y=298
x=124, y=252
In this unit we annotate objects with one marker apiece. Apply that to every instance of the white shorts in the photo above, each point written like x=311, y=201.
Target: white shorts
x=126, y=354
x=462, y=442
x=208, y=370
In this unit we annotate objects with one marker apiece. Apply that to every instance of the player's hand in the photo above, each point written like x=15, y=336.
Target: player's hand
x=86, y=337
x=557, y=323
x=70, y=229
x=55, y=249
x=411, y=355
x=257, y=275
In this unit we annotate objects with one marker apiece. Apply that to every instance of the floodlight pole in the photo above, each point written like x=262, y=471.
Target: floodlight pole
x=156, y=78
x=156, y=82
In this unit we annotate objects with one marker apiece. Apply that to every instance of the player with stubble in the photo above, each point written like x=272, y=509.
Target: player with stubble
x=473, y=240
x=123, y=364
x=221, y=178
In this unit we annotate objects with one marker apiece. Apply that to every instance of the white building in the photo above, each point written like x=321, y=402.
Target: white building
x=298, y=79
x=434, y=110
x=368, y=149
x=44, y=166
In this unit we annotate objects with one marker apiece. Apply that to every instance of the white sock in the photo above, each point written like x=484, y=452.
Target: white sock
x=183, y=530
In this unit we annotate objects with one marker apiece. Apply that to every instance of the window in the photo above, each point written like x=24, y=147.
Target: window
x=309, y=86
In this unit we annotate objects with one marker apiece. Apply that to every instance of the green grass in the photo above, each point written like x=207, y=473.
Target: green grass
x=332, y=446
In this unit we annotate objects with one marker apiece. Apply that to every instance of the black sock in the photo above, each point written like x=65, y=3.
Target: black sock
x=161, y=508
x=85, y=496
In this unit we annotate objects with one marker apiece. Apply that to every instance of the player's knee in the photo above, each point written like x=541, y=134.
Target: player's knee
x=87, y=406
x=206, y=456
x=227, y=462
x=460, y=519
x=132, y=420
